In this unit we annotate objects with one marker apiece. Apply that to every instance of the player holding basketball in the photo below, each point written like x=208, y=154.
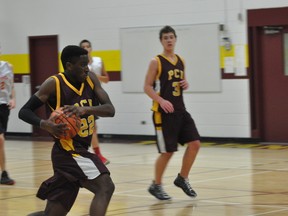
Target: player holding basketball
x=80, y=92
x=164, y=84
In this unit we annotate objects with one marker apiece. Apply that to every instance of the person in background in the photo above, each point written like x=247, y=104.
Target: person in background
x=96, y=66
x=164, y=84
x=7, y=102
x=79, y=91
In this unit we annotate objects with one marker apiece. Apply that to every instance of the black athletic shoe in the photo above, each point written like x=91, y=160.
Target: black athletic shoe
x=158, y=191
x=185, y=185
x=6, y=180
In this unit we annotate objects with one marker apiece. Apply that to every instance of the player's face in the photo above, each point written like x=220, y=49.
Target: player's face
x=168, y=41
x=86, y=46
x=80, y=69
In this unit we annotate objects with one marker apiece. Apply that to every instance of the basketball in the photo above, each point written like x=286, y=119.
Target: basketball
x=73, y=122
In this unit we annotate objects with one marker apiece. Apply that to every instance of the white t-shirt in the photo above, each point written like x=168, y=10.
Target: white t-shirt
x=6, y=82
x=96, y=66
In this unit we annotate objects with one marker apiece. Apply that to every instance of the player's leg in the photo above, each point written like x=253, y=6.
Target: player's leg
x=2, y=153
x=96, y=148
x=156, y=188
x=166, y=144
x=189, y=157
x=53, y=208
x=103, y=188
x=160, y=166
x=5, y=179
x=4, y=114
x=167, y=136
x=60, y=194
x=189, y=135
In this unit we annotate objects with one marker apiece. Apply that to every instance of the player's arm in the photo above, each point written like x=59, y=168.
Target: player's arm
x=27, y=112
x=184, y=83
x=104, y=77
x=149, y=90
x=106, y=108
x=12, y=101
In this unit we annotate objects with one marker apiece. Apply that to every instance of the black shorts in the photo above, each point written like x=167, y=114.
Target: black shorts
x=4, y=115
x=70, y=167
x=174, y=128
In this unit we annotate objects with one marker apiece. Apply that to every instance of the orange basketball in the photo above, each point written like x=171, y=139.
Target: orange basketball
x=73, y=123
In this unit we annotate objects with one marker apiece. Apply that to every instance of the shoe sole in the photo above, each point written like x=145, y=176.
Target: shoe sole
x=8, y=183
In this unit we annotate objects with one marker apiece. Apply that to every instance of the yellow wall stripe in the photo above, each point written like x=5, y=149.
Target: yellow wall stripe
x=111, y=59
x=20, y=62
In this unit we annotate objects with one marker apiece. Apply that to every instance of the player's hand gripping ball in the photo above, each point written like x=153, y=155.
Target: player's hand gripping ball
x=73, y=122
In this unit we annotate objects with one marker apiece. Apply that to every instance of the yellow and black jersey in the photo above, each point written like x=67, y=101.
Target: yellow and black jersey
x=167, y=83
x=67, y=94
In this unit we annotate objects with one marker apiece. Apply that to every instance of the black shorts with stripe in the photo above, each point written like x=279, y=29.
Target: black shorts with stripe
x=174, y=128
x=70, y=168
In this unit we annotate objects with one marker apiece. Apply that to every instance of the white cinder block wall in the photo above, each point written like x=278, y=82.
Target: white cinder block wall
x=221, y=114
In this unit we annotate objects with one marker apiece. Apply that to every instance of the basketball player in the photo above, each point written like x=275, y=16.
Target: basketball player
x=7, y=102
x=96, y=66
x=79, y=92
x=164, y=84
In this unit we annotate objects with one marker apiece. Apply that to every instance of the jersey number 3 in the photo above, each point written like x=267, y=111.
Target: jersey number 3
x=177, y=91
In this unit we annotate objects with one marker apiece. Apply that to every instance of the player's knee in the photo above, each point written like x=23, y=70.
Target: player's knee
x=167, y=155
x=106, y=186
x=110, y=187
x=194, y=145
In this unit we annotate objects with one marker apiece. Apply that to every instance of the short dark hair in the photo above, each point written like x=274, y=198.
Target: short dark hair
x=71, y=53
x=85, y=41
x=166, y=29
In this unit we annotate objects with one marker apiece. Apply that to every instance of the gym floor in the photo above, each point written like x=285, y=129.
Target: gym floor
x=231, y=180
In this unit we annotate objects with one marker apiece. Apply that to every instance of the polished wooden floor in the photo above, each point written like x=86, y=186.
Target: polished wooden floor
x=230, y=181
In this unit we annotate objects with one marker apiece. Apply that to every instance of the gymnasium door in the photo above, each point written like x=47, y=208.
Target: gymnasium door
x=274, y=83
x=43, y=52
